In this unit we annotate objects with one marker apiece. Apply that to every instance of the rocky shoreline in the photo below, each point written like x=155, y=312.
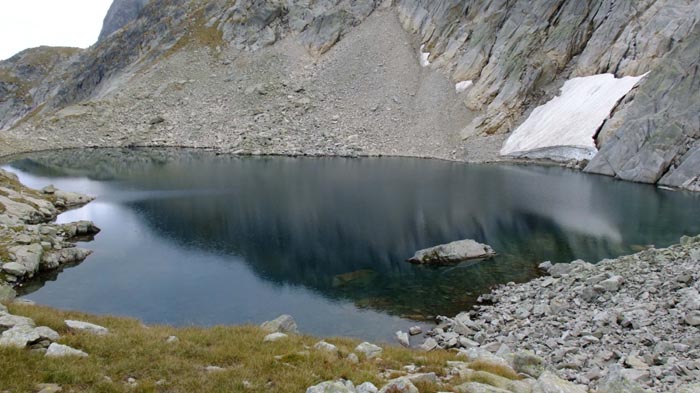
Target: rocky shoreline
x=30, y=241
x=629, y=324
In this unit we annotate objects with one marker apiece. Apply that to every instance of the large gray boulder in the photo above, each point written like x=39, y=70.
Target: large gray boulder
x=454, y=252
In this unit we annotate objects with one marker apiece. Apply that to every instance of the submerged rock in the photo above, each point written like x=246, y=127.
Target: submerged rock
x=454, y=252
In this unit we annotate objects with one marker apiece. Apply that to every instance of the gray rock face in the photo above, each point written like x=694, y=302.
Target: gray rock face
x=513, y=50
x=658, y=141
x=454, y=252
x=119, y=14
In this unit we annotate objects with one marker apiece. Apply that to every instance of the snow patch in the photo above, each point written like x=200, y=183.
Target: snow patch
x=564, y=128
x=424, y=56
x=461, y=87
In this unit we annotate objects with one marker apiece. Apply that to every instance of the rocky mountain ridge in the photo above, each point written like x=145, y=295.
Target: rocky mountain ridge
x=337, y=77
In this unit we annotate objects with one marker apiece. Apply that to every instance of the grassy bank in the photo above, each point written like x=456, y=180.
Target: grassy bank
x=133, y=350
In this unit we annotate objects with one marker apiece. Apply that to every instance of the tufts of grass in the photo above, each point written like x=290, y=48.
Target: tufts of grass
x=495, y=368
x=133, y=350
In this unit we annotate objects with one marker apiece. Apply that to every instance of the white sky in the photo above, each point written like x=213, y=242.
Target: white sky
x=31, y=23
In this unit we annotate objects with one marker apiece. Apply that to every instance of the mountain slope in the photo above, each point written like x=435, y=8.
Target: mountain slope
x=340, y=77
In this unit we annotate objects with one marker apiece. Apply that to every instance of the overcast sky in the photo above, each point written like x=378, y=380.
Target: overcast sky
x=30, y=23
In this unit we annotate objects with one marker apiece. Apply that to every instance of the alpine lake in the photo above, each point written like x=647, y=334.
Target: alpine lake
x=194, y=238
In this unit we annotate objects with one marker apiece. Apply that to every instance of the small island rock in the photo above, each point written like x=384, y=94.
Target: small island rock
x=454, y=252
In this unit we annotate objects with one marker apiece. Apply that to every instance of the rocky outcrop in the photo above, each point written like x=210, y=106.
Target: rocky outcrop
x=119, y=14
x=518, y=52
x=28, y=79
x=29, y=242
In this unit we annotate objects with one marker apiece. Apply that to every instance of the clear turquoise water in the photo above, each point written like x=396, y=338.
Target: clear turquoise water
x=195, y=238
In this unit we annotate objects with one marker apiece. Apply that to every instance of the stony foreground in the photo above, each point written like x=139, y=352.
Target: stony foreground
x=625, y=325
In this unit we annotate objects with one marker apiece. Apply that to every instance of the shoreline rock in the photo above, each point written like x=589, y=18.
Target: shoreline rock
x=30, y=243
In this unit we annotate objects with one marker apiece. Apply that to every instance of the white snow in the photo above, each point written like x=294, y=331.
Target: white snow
x=424, y=56
x=463, y=86
x=564, y=128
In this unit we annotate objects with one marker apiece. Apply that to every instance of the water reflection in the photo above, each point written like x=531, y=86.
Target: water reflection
x=190, y=237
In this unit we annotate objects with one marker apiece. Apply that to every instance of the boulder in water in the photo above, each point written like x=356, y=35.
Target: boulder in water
x=454, y=252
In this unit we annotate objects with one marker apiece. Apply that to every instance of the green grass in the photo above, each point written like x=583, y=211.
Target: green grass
x=132, y=350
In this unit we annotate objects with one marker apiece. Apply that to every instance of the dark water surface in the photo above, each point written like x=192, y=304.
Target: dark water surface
x=194, y=238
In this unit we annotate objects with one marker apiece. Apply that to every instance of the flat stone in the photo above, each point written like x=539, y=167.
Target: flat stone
x=399, y=385
x=57, y=350
x=326, y=347
x=15, y=269
x=87, y=327
x=475, y=387
x=47, y=333
x=282, y=324
x=8, y=321
x=369, y=350
x=415, y=330
x=272, y=337
x=612, y=284
x=339, y=386
x=423, y=378
x=49, y=388
x=428, y=345
x=19, y=336
x=550, y=383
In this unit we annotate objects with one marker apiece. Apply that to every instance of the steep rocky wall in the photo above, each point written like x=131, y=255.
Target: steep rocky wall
x=119, y=14
x=519, y=52
x=29, y=78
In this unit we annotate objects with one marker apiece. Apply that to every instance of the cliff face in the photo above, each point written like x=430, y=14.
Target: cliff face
x=518, y=52
x=119, y=14
x=506, y=58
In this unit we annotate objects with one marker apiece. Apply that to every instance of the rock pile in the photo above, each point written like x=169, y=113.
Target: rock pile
x=22, y=332
x=632, y=321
